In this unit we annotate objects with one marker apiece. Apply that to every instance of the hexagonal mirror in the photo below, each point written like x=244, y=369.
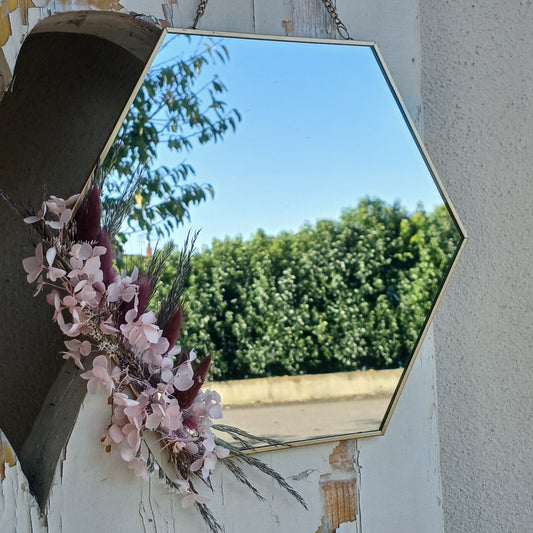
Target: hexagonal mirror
x=325, y=236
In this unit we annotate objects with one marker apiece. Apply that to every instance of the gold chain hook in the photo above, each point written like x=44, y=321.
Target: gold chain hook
x=199, y=12
x=341, y=28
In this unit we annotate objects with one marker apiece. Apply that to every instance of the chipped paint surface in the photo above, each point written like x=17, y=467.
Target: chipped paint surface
x=5, y=25
x=10, y=6
x=342, y=458
x=106, y=5
x=339, y=490
x=19, y=17
x=9, y=9
x=7, y=456
x=339, y=502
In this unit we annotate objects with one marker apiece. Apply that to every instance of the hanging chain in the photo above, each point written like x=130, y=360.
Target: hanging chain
x=341, y=28
x=199, y=12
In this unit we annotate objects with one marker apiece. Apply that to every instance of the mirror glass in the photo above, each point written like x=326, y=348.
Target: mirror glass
x=324, y=235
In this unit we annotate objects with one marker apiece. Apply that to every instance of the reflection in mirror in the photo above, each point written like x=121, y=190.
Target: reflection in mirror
x=324, y=240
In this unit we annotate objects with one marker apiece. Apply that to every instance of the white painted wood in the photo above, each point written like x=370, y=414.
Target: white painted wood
x=95, y=491
x=237, y=17
x=270, y=17
x=310, y=19
x=19, y=512
x=180, y=14
x=401, y=468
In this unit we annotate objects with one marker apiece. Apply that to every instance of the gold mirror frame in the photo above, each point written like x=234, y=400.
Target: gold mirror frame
x=452, y=213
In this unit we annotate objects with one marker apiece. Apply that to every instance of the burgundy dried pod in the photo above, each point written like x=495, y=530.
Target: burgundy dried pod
x=106, y=260
x=172, y=328
x=144, y=294
x=186, y=398
x=89, y=216
x=189, y=421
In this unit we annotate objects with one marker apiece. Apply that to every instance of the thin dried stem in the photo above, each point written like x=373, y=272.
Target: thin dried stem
x=121, y=207
x=246, y=438
x=183, y=269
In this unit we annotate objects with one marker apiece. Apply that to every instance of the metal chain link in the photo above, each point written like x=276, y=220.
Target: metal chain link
x=341, y=28
x=199, y=12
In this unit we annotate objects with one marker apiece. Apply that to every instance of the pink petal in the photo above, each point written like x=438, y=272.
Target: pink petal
x=30, y=264
x=147, y=318
x=55, y=273
x=133, y=438
x=101, y=360
x=215, y=411
x=65, y=216
x=72, y=199
x=39, y=253
x=127, y=454
x=33, y=267
x=115, y=432
x=92, y=386
x=85, y=251
x=54, y=225
x=152, y=334
x=191, y=499
x=92, y=265
x=152, y=421
x=131, y=315
x=51, y=255
x=108, y=329
x=72, y=345
x=196, y=465
x=221, y=452
x=85, y=348
x=99, y=250
x=100, y=373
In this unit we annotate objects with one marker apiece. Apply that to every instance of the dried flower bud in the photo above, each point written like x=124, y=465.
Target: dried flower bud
x=106, y=260
x=186, y=398
x=88, y=218
x=144, y=295
x=172, y=328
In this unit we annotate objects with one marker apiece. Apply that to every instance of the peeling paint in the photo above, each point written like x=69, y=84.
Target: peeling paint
x=287, y=26
x=106, y=5
x=339, y=503
x=339, y=490
x=12, y=5
x=168, y=12
x=342, y=457
x=7, y=456
x=23, y=5
x=303, y=475
x=5, y=24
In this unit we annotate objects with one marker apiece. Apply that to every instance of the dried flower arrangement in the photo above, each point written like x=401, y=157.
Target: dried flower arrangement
x=153, y=386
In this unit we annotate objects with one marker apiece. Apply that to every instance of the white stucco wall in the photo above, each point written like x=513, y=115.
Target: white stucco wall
x=478, y=114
